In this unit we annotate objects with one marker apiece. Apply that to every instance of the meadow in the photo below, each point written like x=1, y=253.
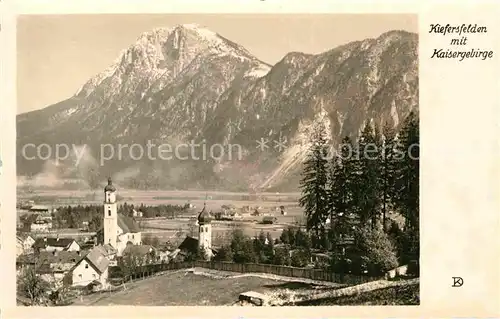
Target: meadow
x=175, y=230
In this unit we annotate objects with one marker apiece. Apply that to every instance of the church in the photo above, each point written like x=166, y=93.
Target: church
x=118, y=230
x=204, y=241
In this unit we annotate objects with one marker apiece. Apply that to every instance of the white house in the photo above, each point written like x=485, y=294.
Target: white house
x=92, y=268
x=40, y=226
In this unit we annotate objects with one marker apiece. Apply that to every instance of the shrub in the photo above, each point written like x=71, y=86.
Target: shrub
x=282, y=257
x=375, y=250
x=300, y=258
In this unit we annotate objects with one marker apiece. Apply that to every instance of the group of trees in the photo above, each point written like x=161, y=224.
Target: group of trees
x=75, y=216
x=293, y=248
x=151, y=211
x=38, y=291
x=358, y=186
x=133, y=264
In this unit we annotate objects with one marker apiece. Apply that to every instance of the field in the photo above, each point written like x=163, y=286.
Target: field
x=201, y=287
x=152, y=197
x=181, y=289
x=204, y=287
x=175, y=230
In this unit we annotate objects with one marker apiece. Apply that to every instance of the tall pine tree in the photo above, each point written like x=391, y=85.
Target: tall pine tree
x=368, y=188
x=387, y=171
x=313, y=184
x=341, y=189
x=406, y=194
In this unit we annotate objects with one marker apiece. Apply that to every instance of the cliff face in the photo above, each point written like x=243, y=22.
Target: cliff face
x=184, y=84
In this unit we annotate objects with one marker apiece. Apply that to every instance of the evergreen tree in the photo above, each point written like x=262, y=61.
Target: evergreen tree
x=406, y=194
x=314, y=198
x=342, y=188
x=224, y=254
x=303, y=240
x=368, y=190
x=407, y=172
x=387, y=171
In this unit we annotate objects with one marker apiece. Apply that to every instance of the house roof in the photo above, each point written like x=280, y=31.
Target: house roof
x=39, y=208
x=106, y=249
x=54, y=242
x=58, y=256
x=138, y=249
x=97, y=259
x=61, y=261
x=23, y=237
x=128, y=224
x=189, y=244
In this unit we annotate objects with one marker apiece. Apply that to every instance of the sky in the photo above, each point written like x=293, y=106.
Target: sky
x=57, y=54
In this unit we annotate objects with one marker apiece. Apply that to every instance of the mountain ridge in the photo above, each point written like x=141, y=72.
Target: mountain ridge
x=188, y=83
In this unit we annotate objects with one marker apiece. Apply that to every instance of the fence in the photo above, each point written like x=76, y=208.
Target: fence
x=313, y=274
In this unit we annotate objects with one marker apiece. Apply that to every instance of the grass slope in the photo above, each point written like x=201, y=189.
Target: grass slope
x=184, y=289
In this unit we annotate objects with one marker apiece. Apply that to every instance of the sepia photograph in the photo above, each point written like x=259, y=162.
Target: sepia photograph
x=217, y=160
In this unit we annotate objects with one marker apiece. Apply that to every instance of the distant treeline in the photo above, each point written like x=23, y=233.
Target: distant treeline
x=91, y=216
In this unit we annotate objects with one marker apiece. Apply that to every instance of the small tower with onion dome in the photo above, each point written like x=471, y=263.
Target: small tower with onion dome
x=205, y=232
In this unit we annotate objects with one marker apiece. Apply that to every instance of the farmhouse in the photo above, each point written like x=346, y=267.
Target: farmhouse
x=56, y=244
x=92, y=268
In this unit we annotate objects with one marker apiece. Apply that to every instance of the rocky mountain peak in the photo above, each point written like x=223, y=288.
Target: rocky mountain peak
x=187, y=82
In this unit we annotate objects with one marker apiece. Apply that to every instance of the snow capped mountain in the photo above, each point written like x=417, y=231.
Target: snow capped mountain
x=187, y=83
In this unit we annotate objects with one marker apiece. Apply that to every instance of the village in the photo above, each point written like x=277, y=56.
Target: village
x=128, y=247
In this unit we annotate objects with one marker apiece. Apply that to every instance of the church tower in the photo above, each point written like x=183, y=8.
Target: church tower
x=205, y=232
x=110, y=214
